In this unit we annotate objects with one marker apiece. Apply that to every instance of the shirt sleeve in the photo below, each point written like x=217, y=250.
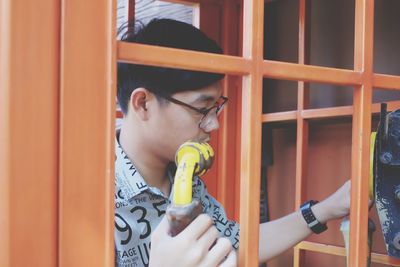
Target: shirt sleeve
x=212, y=207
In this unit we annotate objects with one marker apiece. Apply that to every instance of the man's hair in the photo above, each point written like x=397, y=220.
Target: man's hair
x=160, y=80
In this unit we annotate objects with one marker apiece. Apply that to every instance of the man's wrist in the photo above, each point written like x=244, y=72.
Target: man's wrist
x=320, y=212
x=315, y=222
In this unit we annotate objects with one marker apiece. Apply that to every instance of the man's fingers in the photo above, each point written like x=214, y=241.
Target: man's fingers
x=198, y=227
x=209, y=237
x=231, y=260
x=218, y=252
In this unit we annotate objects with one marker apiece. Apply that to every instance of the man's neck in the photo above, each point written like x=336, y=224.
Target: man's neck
x=152, y=168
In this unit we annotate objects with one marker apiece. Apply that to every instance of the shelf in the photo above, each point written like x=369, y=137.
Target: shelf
x=340, y=251
x=322, y=113
x=286, y=116
x=386, y=81
x=300, y=72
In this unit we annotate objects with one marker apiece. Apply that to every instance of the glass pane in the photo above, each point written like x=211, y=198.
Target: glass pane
x=281, y=30
x=387, y=37
x=330, y=95
x=332, y=33
x=279, y=95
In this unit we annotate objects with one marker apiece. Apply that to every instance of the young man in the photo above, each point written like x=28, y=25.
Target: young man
x=162, y=109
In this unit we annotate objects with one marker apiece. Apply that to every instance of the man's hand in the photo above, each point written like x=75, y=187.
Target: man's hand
x=335, y=206
x=191, y=247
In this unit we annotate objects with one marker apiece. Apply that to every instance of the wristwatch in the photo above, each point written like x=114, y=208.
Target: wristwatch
x=310, y=219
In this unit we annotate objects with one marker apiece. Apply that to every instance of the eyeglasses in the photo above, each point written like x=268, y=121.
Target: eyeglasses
x=207, y=113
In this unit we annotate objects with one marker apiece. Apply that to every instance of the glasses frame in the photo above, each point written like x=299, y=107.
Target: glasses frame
x=203, y=112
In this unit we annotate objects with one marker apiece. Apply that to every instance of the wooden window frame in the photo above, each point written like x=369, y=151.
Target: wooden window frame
x=254, y=68
x=71, y=189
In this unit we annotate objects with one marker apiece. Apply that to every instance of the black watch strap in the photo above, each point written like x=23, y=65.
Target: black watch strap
x=310, y=219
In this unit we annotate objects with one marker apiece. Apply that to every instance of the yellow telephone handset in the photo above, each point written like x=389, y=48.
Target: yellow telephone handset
x=192, y=158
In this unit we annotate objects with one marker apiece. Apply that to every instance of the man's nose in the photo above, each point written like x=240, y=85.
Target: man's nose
x=213, y=125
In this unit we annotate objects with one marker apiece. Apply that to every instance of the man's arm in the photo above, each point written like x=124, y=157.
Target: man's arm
x=279, y=235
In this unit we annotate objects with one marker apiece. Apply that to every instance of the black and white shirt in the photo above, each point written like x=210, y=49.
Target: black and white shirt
x=139, y=208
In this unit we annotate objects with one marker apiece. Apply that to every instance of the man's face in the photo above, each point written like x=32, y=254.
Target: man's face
x=174, y=124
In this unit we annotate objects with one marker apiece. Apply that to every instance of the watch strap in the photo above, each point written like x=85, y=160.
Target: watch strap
x=308, y=215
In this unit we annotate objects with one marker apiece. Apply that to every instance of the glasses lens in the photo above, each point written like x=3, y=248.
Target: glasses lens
x=208, y=118
x=215, y=111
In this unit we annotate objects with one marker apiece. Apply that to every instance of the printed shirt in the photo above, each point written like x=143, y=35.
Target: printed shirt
x=139, y=208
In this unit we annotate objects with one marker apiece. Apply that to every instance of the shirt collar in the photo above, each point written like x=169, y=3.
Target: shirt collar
x=128, y=178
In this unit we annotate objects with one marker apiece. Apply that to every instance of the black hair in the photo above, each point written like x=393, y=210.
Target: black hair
x=160, y=80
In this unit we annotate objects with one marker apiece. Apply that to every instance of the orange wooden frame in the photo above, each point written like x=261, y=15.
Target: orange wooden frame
x=253, y=68
x=29, y=79
x=71, y=136
x=87, y=132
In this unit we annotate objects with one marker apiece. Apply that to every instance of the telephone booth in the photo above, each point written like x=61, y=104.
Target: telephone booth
x=305, y=79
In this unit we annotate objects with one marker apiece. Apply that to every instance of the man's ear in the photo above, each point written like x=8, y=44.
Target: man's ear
x=139, y=102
